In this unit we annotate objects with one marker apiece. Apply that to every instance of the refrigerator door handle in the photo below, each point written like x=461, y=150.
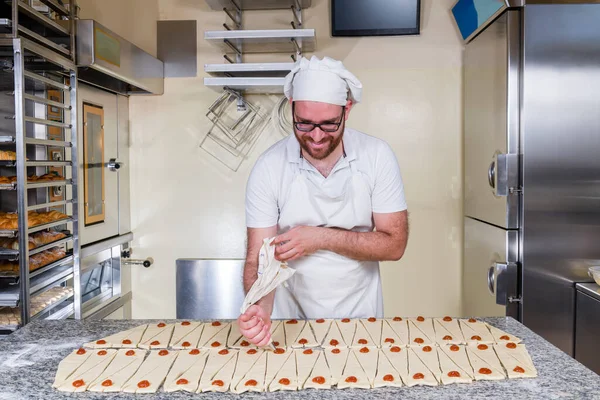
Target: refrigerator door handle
x=492, y=175
x=504, y=173
x=491, y=278
x=505, y=282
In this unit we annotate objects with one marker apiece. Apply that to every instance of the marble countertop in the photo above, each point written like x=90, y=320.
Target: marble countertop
x=29, y=358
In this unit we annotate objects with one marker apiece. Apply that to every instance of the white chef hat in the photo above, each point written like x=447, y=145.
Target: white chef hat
x=325, y=81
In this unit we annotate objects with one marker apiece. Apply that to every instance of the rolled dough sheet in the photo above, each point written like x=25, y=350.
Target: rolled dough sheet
x=218, y=341
x=418, y=373
x=502, y=337
x=181, y=330
x=367, y=357
x=386, y=373
x=451, y=372
x=153, y=370
x=305, y=361
x=476, y=332
x=400, y=326
x=389, y=337
x=347, y=328
x=129, y=338
x=70, y=364
x=514, y=367
x=275, y=361
x=287, y=377
x=362, y=337
x=254, y=381
x=211, y=329
x=429, y=357
x=353, y=376
x=448, y=332
x=478, y=363
x=305, y=338
x=221, y=382
x=398, y=357
x=190, y=340
x=125, y=363
x=292, y=328
x=89, y=371
x=320, y=328
x=336, y=359
x=519, y=352
x=157, y=336
x=421, y=332
x=215, y=361
x=246, y=359
x=374, y=326
x=334, y=337
x=458, y=355
x=320, y=377
x=186, y=371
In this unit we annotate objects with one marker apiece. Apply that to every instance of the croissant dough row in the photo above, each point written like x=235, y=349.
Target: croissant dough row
x=10, y=220
x=35, y=240
x=50, y=177
x=36, y=261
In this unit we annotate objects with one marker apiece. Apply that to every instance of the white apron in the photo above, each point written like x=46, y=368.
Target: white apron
x=326, y=284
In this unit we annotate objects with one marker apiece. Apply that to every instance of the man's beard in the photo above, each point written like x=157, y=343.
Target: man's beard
x=323, y=153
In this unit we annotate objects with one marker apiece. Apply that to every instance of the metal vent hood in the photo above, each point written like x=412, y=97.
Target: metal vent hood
x=106, y=60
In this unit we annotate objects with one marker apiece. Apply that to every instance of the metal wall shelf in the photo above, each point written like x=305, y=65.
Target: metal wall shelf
x=238, y=70
x=42, y=19
x=218, y=5
x=247, y=85
x=263, y=41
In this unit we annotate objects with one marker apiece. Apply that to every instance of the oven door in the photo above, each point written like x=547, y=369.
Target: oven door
x=100, y=280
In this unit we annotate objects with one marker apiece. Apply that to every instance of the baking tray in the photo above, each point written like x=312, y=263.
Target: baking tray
x=11, y=233
x=13, y=277
x=36, y=185
x=13, y=255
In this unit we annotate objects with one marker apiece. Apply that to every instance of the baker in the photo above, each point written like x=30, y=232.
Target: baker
x=332, y=197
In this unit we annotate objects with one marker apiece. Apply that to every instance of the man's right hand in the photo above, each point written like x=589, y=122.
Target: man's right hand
x=255, y=325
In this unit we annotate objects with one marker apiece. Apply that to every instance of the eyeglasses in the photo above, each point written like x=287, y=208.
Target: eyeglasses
x=329, y=127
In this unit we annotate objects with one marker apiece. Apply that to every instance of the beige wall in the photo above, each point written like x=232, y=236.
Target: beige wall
x=185, y=204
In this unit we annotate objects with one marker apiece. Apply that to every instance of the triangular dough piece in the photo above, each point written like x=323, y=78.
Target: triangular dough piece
x=400, y=326
x=479, y=365
x=212, y=329
x=190, y=340
x=421, y=332
x=362, y=337
x=292, y=328
x=216, y=360
x=389, y=337
x=336, y=359
x=305, y=339
x=502, y=337
x=222, y=380
x=320, y=377
x=458, y=355
x=157, y=336
x=234, y=335
x=131, y=337
x=70, y=364
x=418, y=373
x=305, y=361
x=487, y=354
x=287, y=377
x=353, y=376
x=429, y=356
x=518, y=351
x=334, y=337
x=187, y=370
x=181, y=330
x=447, y=332
x=219, y=341
x=386, y=373
x=154, y=370
x=278, y=334
x=88, y=372
x=254, y=381
x=514, y=367
x=374, y=327
x=367, y=357
x=246, y=359
x=398, y=357
x=347, y=328
x=118, y=372
x=451, y=372
x=320, y=328
x=275, y=361
x=475, y=332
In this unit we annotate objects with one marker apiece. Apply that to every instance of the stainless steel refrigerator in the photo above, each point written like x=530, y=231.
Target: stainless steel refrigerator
x=532, y=163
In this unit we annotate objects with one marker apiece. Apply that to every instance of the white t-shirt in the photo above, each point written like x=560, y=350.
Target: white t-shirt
x=274, y=171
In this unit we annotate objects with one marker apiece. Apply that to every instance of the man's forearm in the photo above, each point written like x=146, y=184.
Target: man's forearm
x=364, y=246
x=250, y=276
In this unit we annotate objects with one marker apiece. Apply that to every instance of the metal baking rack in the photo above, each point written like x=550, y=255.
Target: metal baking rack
x=37, y=57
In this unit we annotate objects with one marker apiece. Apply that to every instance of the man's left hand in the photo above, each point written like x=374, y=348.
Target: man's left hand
x=298, y=242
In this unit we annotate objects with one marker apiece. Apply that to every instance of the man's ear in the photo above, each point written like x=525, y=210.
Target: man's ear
x=348, y=106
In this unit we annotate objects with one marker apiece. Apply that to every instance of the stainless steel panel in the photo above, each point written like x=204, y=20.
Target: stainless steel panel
x=124, y=171
x=485, y=247
x=491, y=122
x=591, y=289
x=177, y=48
x=561, y=201
x=587, y=331
x=209, y=289
x=141, y=72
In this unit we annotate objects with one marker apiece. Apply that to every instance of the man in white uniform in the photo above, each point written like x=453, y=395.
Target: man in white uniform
x=322, y=192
